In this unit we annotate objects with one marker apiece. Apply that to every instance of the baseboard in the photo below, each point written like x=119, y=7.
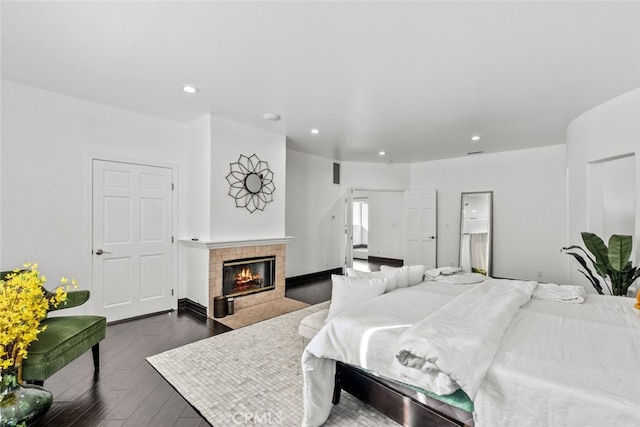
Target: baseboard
x=393, y=262
x=305, y=278
x=143, y=316
x=192, y=309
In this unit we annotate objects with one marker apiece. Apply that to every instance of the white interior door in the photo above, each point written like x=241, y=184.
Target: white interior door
x=420, y=228
x=348, y=229
x=132, y=239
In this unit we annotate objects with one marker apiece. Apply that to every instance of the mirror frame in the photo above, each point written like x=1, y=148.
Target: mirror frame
x=490, y=228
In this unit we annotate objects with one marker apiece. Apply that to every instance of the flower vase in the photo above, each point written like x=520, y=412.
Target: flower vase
x=21, y=405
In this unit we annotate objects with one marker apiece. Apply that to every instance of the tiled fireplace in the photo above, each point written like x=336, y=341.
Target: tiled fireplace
x=247, y=289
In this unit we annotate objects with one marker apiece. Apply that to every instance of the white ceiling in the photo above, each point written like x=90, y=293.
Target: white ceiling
x=415, y=79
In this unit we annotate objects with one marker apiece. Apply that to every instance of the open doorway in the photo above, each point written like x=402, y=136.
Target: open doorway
x=361, y=228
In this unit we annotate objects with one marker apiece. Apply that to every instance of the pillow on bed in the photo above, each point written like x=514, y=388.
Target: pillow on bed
x=347, y=292
x=390, y=275
x=416, y=274
x=444, y=271
x=402, y=272
x=408, y=275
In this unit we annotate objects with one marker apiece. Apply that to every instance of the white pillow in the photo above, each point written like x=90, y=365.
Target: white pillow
x=390, y=275
x=444, y=271
x=403, y=274
x=416, y=274
x=347, y=292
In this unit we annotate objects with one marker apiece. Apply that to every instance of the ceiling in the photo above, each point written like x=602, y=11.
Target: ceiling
x=415, y=79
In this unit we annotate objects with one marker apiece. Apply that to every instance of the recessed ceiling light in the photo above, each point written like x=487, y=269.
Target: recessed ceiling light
x=475, y=138
x=271, y=116
x=381, y=153
x=190, y=89
x=315, y=131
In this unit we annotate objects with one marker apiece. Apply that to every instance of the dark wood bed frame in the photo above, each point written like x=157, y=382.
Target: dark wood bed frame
x=388, y=399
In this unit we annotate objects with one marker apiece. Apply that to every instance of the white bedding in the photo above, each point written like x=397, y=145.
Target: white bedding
x=566, y=365
x=556, y=364
x=460, y=339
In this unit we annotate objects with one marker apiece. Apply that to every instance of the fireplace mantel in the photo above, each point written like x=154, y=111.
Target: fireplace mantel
x=235, y=243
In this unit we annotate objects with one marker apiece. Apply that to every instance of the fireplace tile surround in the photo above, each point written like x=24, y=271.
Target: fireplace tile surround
x=219, y=252
x=218, y=256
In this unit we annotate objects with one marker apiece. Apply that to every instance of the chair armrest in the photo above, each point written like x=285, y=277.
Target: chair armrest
x=74, y=299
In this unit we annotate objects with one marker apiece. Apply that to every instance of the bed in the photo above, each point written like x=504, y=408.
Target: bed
x=517, y=359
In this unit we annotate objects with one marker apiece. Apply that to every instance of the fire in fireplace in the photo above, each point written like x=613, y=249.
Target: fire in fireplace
x=249, y=275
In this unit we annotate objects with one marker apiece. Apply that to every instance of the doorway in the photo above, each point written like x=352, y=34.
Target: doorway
x=132, y=239
x=401, y=226
x=361, y=228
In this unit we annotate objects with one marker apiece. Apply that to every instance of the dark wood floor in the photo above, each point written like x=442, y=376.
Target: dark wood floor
x=127, y=391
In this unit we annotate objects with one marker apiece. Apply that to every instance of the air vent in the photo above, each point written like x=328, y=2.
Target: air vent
x=336, y=173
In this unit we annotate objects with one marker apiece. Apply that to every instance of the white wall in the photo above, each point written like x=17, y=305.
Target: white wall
x=386, y=220
x=193, y=269
x=608, y=131
x=47, y=142
x=314, y=215
x=619, y=197
x=315, y=207
x=528, y=206
x=229, y=140
x=377, y=176
x=213, y=216
x=386, y=223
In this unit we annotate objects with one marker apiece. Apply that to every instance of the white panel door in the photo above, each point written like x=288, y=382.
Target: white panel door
x=132, y=239
x=420, y=228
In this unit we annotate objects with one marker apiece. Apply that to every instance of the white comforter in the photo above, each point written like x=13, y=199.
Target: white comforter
x=566, y=365
x=459, y=340
x=557, y=364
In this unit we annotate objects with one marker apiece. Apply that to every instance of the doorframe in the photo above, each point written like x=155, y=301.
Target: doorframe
x=349, y=191
x=88, y=241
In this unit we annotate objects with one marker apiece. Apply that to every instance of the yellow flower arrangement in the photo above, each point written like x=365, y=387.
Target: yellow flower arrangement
x=23, y=304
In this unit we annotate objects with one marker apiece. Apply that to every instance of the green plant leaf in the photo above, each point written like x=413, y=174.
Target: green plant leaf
x=596, y=246
x=594, y=281
x=619, y=251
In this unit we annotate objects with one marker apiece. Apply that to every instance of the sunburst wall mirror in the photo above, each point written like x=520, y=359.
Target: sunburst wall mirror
x=251, y=183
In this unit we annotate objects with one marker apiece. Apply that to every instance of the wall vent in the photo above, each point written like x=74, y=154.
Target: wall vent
x=336, y=173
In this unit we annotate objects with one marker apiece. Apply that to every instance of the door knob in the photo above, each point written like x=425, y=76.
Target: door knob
x=100, y=252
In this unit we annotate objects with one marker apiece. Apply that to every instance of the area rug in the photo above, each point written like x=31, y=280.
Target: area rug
x=253, y=375
x=257, y=313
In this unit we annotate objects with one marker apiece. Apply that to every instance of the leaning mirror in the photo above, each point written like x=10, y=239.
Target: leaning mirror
x=476, y=223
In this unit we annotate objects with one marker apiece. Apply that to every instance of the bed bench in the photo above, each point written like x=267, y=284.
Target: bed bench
x=311, y=324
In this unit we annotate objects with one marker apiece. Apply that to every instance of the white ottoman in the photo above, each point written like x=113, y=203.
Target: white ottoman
x=311, y=324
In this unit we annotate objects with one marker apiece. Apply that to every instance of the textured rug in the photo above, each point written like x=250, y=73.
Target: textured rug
x=252, y=376
x=258, y=313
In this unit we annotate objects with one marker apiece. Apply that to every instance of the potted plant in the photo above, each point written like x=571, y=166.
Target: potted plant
x=612, y=263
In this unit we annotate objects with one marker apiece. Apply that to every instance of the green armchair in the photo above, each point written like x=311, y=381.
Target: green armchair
x=65, y=338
